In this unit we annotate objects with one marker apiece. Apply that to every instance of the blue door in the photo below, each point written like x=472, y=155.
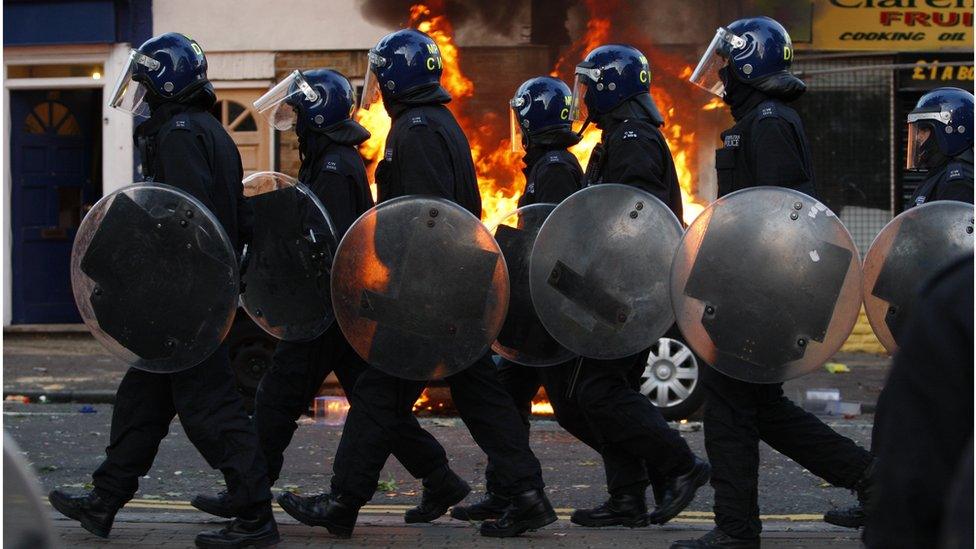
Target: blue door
x=56, y=177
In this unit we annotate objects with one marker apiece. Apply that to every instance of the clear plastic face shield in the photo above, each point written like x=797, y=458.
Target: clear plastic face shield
x=920, y=130
x=371, y=86
x=274, y=106
x=130, y=95
x=715, y=57
x=585, y=76
x=516, y=104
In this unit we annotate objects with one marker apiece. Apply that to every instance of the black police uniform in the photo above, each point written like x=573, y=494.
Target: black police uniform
x=766, y=146
x=637, y=446
x=551, y=174
x=186, y=147
x=334, y=171
x=427, y=153
x=925, y=428
x=951, y=181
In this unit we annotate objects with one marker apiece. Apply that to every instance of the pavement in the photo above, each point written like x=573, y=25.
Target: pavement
x=64, y=442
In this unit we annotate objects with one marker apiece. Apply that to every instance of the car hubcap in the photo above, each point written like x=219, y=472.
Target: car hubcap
x=671, y=373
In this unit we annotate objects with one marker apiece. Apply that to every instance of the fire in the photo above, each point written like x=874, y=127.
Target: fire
x=423, y=402
x=714, y=103
x=499, y=170
x=541, y=405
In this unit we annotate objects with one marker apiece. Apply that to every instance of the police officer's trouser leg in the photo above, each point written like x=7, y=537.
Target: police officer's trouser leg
x=802, y=437
x=631, y=428
x=212, y=414
x=522, y=384
x=489, y=414
x=732, y=442
x=380, y=404
x=140, y=420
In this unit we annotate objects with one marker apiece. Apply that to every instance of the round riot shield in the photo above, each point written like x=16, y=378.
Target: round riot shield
x=599, y=271
x=523, y=339
x=25, y=520
x=912, y=247
x=286, y=267
x=419, y=287
x=766, y=284
x=154, y=277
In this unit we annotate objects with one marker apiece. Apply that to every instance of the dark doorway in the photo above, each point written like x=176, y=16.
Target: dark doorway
x=55, y=164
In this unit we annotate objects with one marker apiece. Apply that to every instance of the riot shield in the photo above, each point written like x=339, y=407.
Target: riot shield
x=286, y=267
x=25, y=520
x=599, y=271
x=912, y=247
x=523, y=339
x=419, y=287
x=154, y=277
x=766, y=284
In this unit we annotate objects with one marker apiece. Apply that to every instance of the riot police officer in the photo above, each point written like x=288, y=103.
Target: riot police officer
x=426, y=153
x=747, y=64
x=318, y=105
x=940, y=140
x=184, y=146
x=541, y=127
x=612, y=89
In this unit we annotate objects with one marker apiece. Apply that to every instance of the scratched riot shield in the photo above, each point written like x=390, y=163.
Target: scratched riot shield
x=26, y=524
x=419, y=287
x=913, y=246
x=766, y=284
x=286, y=267
x=155, y=277
x=523, y=339
x=599, y=271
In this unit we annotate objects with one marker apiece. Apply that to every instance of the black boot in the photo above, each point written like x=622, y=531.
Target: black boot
x=680, y=491
x=529, y=510
x=334, y=513
x=717, y=539
x=492, y=506
x=260, y=530
x=620, y=510
x=855, y=515
x=94, y=512
x=215, y=505
x=441, y=491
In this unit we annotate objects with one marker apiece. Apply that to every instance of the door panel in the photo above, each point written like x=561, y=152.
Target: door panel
x=249, y=130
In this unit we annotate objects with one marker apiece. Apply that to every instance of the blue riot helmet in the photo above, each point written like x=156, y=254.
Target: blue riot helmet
x=316, y=99
x=939, y=127
x=608, y=76
x=402, y=61
x=758, y=52
x=540, y=104
x=168, y=67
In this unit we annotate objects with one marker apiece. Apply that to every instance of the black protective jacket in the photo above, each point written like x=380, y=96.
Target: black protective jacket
x=551, y=175
x=766, y=146
x=334, y=171
x=184, y=146
x=951, y=181
x=428, y=154
x=632, y=151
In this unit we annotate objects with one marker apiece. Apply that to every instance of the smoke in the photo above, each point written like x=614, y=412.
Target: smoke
x=495, y=15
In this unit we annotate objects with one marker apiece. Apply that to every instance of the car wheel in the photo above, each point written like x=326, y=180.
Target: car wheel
x=671, y=379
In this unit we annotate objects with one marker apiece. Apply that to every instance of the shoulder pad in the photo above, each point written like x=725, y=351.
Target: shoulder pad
x=769, y=109
x=332, y=163
x=416, y=119
x=956, y=171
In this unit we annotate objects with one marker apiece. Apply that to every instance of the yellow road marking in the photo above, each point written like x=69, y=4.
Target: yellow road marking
x=393, y=509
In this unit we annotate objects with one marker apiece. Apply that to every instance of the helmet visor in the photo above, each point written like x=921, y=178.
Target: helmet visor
x=716, y=56
x=513, y=123
x=371, y=86
x=276, y=104
x=585, y=76
x=919, y=132
x=128, y=94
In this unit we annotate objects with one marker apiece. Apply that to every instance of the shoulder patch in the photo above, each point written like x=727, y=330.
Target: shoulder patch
x=331, y=163
x=417, y=120
x=768, y=109
x=180, y=122
x=388, y=154
x=629, y=134
x=954, y=173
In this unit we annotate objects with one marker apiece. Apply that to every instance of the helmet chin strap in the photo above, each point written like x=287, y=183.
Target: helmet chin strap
x=583, y=127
